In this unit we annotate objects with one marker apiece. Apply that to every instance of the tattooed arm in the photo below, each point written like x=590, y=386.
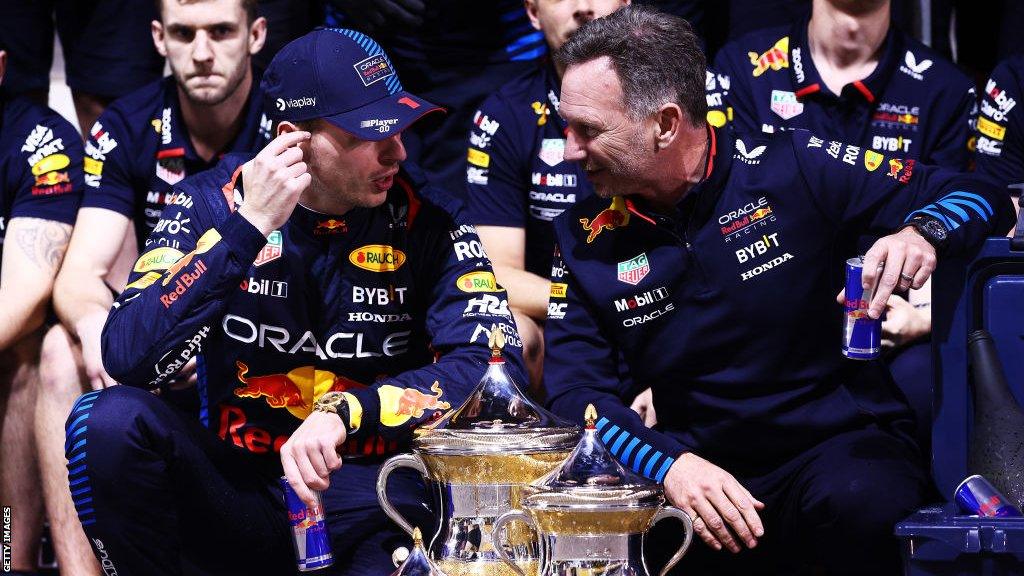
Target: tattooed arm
x=33, y=250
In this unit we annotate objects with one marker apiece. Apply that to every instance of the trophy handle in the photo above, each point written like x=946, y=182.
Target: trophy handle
x=673, y=512
x=499, y=537
x=400, y=461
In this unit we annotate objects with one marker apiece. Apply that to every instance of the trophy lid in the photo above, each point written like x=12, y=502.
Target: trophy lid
x=591, y=477
x=417, y=563
x=497, y=417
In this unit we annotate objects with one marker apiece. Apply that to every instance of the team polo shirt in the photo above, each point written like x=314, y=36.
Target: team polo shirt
x=40, y=164
x=915, y=104
x=139, y=149
x=1000, y=128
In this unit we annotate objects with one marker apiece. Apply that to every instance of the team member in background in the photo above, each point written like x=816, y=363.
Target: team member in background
x=1000, y=128
x=715, y=273
x=40, y=188
x=517, y=180
x=331, y=307
x=141, y=146
x=106, y=46
x=848, y=73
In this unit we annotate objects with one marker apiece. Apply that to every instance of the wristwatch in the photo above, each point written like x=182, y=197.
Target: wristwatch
x=931, y=229
x=335, y=403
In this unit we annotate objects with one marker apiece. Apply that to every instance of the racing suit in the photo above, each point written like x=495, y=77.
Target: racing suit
x=140, y=146
x=915, y=104
x=40, y=164
x=727, y=310
x=388, y=305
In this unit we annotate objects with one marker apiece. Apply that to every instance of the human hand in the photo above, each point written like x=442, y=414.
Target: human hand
x=904, y=323
x=370, y=16
x=186, y=377
x=708, y=494
x=643, y=405
x=898, y=261
x=311, y=454
x=88, y=330
x=274, y=180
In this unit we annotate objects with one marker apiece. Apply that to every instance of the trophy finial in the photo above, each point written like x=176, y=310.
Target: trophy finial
x=417, y=537
x=590, y=416
x=496, y=341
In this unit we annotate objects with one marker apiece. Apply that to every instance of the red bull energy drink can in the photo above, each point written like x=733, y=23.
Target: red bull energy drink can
x=309, y=531
x=862, y=336
x=978, y=496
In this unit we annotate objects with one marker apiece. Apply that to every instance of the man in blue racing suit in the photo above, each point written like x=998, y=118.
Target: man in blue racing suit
x=712, y=264
x=314, y=271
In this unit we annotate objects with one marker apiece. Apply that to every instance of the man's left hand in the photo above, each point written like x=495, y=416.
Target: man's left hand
x=899, y=261
x=311, y=454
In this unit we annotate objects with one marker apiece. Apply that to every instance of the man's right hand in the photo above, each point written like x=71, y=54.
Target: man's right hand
x=708, y=494
x=274, y=180
x=88, y=330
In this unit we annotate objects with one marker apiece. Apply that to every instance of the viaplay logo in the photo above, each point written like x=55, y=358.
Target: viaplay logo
x=281, y=104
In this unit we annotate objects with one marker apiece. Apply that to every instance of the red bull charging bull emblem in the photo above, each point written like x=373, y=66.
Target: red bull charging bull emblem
x=295, y=390
x=775, y=58
x=398, y=405
x=612, y=217
x=330, y=226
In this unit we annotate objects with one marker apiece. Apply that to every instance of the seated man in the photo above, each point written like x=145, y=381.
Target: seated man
x=142, y=145
x=40, y=188
x=714, y=274
x=312, y=271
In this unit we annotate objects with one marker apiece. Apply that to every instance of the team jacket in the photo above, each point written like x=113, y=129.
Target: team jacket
x=390, y=305
x=727, y=309
x=139, y=149
x=40, y=164
x=516, y=172
x=914, y=105
x=1000, y=128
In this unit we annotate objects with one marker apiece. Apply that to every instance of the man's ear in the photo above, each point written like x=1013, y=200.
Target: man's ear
x=668, y=121
x=156, y=28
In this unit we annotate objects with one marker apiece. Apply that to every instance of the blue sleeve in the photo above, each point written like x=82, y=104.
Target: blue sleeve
x=496, y=173
x=108, y=171
x=464, y=304
x=853, y=185
x=999, y=131
x=580, y=368
x=49, y=172
x=175, y=296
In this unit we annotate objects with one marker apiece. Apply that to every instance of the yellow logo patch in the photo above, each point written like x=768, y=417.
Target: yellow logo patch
x=377, y=258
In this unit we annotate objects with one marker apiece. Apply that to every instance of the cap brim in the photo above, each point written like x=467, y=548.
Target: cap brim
x=385, y=117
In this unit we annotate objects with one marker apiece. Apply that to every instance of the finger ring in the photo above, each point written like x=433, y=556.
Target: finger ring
x=907, y=277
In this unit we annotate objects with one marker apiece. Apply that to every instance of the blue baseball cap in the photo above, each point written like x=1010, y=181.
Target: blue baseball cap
x=344, y=77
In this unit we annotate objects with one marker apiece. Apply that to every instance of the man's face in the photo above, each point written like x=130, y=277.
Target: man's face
x=614, y=150
x=357, y=172
x=207, y=45
x=558, y=19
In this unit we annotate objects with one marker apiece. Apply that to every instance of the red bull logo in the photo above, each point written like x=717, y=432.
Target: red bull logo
x=612, y=217
x=52, y=179
x=398, y=405
x=894, y=168
x=761, y=213
x=775, y=58
x=857, y=309
x=330, y=226
x=279, y=389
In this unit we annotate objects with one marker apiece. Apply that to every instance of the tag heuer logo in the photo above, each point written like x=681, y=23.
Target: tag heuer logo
x=634, y=270
x=272, y=250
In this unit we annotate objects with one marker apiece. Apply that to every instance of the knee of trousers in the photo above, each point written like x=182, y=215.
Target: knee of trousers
x=865, y=507
x=104, y=420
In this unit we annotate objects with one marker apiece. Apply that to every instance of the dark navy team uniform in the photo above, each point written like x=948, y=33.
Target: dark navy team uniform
x=40, y=164
x=914, y=105
x=516, y=172
x=727, y=310
x=1000, y=129
x=389, y=305
x=140, y=148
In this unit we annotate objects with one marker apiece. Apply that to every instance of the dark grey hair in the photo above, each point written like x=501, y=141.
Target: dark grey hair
x=656, y=56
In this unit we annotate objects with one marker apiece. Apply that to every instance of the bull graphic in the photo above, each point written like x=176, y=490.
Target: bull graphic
x=398, y=405
x=279, y=389
x=612, y=217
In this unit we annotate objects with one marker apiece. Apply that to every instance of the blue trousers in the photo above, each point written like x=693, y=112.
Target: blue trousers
x=159, y=494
